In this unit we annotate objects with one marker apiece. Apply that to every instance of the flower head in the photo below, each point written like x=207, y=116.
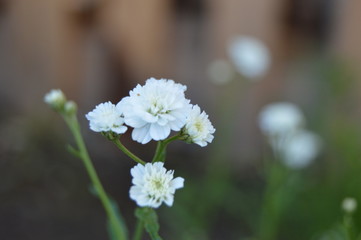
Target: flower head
x=106, y=117
x=198, y=127
x=349, y=205
x=250, y=56
x=55, y=98
x=300, y=149
x=153, y=185
x=278, y=119
x=156, y=108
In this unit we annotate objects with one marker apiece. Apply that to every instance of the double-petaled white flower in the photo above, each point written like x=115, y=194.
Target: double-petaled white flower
x=153, y=185
x=198, y=128
x=55, y=98
x=156, y=108
x=106, y=117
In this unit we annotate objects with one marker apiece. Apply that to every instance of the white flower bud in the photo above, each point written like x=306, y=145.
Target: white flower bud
x=55, y=99
x=70, y=107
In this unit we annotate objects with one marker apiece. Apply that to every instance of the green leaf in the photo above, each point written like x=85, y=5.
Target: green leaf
x=150, y=220
x=121, y=222
x=111, y=228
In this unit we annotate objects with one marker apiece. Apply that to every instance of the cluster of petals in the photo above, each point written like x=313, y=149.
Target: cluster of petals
x=198, y=128
x=156, y=108
x=153, y=185
x=106, y=117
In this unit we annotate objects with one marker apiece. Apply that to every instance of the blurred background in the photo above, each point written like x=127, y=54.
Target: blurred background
x=98, y=50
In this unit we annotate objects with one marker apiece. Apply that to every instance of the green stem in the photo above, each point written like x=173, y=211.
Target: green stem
x=138, y=230
x=348, y=225
x=73, y=124
x=272, y=207
x=159, y=155
x=127, y=152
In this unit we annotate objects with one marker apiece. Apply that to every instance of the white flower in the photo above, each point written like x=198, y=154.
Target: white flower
x=156, y=108
x=55, y=98
x=250, y=56
x=106, y=117
x=279, y=119
x=198, y=127
x=153, y=184
x=300, y=149
x=349, y=205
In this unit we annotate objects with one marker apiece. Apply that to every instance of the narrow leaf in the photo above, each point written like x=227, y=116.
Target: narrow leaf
x=150, y=220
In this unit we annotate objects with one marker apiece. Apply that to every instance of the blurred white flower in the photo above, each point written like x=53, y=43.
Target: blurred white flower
x=55, y=98
x=300, y=149
x=282, y=123
x=280, y=119
x=106, y=117
x=349, y=205
x=220, y=72
x=198, y=127
x=153, y=185
x=156, y=108
x=250, y=56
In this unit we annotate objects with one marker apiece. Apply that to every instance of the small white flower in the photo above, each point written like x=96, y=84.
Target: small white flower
x=198, y=127
x=106, y=117
x=349, y=205
x=300, y=149
x=156, y=108
x=153, y=185
x=55, y=98
x=279, y=119
x=250, y=56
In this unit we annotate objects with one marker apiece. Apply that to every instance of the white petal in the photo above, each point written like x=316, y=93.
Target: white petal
x=137, y=171
x=141, y=135
x=169, y=200
x=177, y=182
x=134, y=121
x=120, y=129
x=158, y=132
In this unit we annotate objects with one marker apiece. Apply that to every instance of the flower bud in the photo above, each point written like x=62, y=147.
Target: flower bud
x=55, y=99
x=70, y=108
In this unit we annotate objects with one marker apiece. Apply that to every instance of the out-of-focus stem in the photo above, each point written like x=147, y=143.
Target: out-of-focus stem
x=73, y=124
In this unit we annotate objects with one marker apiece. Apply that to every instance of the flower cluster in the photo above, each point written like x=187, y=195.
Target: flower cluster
x=153, y=111
x=283, y=124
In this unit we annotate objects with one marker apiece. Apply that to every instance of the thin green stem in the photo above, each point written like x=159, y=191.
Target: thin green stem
x=348, y=225
x=73, y=124
x=127, y=152
x=138, y=232
x=159, y=155
x=274, y=195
